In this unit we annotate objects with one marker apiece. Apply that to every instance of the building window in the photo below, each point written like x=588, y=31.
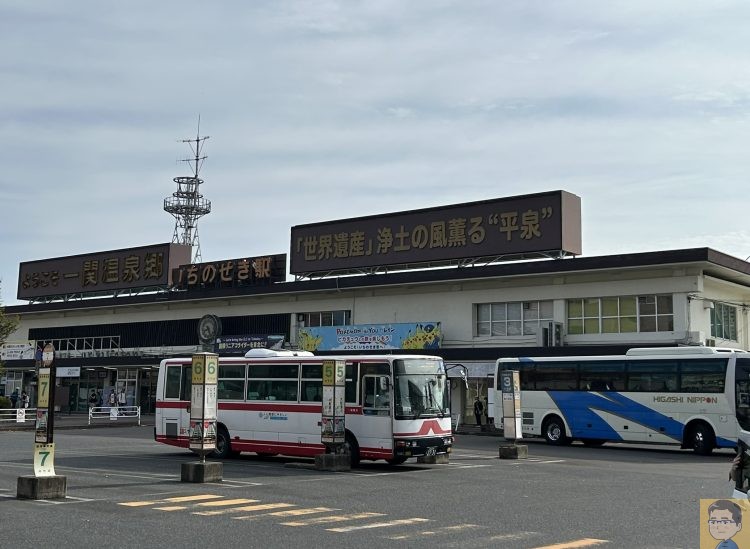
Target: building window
x=512, y=319
x=619, y=315
x=327, y=318
x=724, y=321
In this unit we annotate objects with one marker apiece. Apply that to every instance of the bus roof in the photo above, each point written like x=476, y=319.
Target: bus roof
x=689, y=350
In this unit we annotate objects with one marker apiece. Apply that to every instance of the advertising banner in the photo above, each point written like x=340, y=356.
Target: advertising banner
x=17, y=350
x=362, y=337
x=239, y=345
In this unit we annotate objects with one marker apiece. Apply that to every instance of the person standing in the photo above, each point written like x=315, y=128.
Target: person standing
x=24, y=400
x=478, y=410
x=14, y=398
x=93, y=400
x=112, y=399
x=121, y=398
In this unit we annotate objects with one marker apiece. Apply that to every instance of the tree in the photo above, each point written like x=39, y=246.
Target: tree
x=8, y=325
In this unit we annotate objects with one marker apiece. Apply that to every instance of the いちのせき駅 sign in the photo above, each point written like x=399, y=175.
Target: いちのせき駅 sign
x=535, y=225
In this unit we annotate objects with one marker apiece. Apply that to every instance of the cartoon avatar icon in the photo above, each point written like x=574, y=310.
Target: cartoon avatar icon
x=724, y=521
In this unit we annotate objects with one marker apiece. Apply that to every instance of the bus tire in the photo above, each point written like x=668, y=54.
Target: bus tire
x=223, y=445
x=701, y=438
x=553, y=431
x=352, y=449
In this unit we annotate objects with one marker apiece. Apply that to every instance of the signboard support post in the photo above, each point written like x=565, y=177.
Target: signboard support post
x=202, y=437
x=44, y=484
x=332, y=419
x=510, y=384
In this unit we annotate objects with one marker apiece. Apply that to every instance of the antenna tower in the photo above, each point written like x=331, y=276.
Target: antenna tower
x=187, y=204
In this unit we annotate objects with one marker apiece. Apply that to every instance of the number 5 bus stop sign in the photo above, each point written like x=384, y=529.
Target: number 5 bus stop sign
x=332, y=420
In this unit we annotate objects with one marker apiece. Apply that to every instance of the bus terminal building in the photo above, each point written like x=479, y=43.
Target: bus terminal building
x=470, y=282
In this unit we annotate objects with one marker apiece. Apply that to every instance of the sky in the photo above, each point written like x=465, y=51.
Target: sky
x=324, y=110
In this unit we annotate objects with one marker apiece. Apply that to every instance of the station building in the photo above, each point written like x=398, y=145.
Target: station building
x=513, y=284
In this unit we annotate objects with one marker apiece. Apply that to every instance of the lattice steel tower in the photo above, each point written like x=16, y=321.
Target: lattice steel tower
x=187, y=204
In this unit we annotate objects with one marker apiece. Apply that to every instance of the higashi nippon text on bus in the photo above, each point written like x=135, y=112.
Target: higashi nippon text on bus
x=269, y=403
x=669, y=395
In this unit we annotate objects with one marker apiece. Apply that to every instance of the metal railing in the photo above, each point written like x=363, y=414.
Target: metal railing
x=113, y=413
x=17, y=415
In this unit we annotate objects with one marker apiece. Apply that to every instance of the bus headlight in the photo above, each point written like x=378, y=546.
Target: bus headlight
x=448, y=441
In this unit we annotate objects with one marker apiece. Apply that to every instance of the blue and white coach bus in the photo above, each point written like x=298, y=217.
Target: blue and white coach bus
x=683, y=395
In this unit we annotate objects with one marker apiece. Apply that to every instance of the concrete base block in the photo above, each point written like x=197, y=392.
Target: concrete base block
x=200, y=471
x=513, y=451
x=333, y=462
x=440, y=458
x=31, y=487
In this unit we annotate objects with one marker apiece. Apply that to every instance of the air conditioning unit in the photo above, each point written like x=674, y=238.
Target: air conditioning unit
x=710, y=342
x=696, y=338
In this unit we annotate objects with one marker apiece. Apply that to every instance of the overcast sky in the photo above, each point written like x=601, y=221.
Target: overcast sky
x=333, y=109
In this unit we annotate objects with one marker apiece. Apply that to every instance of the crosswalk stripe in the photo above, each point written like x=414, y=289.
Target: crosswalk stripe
x=179, y=499
x=585, y=542
x=172, y=508
x=437, y=531
x=398, y=522
x=225, y=502
x=289, y=513
x=243, y=509
x=334, y=518
x=298, y=512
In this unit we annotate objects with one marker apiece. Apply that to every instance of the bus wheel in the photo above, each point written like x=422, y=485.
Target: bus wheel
x=223, y=446
x=554, y=431
x=398, y=460
x=352, y=449
x=592, y=441
x=702, y=439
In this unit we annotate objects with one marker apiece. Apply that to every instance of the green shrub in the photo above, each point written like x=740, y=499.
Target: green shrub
x=4, y=402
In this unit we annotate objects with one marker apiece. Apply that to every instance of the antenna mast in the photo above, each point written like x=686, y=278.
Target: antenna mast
x=187, y=204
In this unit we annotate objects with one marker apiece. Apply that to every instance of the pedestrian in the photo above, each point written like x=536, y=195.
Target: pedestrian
x=24, y=400
x=478, y=410
x=93, y=400
x=112, y=399
x=99, y=398
x=14, y=398
x=121, y=398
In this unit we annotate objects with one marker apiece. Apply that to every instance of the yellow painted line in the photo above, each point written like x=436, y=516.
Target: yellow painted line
x=172, y=508
x=437, y=531
x=138, y=503
x=298, y=512
x=585, y=542
x=225, y=502
x=243, y=509
x=388, y=524
x=181, y=499
x=334, y=518
x=289, y=513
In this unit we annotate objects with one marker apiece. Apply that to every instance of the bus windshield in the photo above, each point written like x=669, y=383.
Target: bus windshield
x=420, y=389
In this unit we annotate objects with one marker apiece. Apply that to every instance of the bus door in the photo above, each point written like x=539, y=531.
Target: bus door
x=175, y=416
x=377, y=428
x=740, y=472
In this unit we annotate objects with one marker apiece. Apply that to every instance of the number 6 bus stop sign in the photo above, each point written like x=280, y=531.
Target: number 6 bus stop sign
x=203, y=421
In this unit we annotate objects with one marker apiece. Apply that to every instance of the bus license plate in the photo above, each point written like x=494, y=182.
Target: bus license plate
x=431, y=451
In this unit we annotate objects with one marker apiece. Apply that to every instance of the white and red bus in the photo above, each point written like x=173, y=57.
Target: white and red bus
x=269, y=402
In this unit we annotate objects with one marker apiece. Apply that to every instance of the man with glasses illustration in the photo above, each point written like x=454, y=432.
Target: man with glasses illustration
x=724, y=521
